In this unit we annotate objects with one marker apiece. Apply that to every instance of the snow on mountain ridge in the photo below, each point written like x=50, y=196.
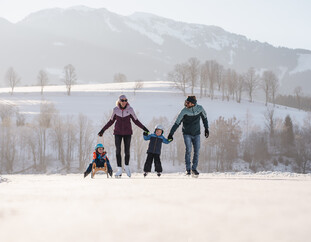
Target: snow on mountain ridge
x=157, y=28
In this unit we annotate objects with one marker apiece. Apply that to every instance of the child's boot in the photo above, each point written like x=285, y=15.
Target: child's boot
x=110, y=172
x=85, y=174
x=127, y=170
x=119, y=172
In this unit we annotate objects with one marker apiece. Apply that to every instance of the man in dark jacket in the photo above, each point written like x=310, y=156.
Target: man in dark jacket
x=190, y=117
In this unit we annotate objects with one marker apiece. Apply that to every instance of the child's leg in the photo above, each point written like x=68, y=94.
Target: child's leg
x=109, y=166
x=157, y=163
x=148, y=163
x=89, y=169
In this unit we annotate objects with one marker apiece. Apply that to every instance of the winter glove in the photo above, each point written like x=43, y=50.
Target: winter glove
x=170, y=137
x=206, y=133
x=145, y=133
x=146, y=130
x=100, y=134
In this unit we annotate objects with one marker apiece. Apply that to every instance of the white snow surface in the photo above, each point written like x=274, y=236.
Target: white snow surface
x=214, y=207
x=156, y=99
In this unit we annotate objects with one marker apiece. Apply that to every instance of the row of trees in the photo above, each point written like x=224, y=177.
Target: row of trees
x=210, y=76
x=69, y=78
x=65, y=143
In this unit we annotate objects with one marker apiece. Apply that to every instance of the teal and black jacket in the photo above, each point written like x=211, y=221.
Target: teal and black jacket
x=190, y=117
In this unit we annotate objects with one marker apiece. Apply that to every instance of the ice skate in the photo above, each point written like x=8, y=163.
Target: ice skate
x=118, y=173
x=127, y=170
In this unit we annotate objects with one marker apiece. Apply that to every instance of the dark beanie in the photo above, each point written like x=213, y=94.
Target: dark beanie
x=192, y=99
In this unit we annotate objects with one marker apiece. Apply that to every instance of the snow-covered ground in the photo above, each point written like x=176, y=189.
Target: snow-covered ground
x=215, y=207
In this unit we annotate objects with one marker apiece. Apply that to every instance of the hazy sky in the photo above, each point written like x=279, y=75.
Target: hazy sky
x=278, y=22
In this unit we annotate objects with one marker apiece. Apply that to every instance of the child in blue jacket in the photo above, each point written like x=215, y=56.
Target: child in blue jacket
x=154, y=150
x=100, y=158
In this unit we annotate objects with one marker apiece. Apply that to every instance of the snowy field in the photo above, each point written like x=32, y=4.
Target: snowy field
x=154, y=100
x=215, y=207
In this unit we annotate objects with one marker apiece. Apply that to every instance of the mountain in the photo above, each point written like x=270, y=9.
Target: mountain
x=100, y=43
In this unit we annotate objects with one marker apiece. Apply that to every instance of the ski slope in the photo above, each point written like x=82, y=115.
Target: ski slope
x=215, y=207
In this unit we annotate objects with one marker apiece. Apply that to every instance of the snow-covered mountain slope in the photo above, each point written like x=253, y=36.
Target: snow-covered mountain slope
x=100, y=43
x=154, y=100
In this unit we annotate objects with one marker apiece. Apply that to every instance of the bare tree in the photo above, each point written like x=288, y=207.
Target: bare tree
x=58, y=128
x=42, y=79
x=268, y=80
x=85, y=131
x=251, y=82
x=32, y=143
x=274, y=86
x=70, y=131
x=70, y=77
x=298, y=94
x=204, y=71
x=47, y=112
x=194, y=70
x=119, y=77
x=179, y=77
x=239, y=88
x=210, y=72
x=7, y=112
x=138, y=85
x=219, y=75
x=12, y=78
x=270, y=121
x=225, y=140
x=215, y=74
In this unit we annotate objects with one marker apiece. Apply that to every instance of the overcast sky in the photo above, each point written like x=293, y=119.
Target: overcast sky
x=278, y=22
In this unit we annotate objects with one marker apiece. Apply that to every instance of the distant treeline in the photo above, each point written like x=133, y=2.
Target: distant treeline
x=303, y=103
x=53, y=143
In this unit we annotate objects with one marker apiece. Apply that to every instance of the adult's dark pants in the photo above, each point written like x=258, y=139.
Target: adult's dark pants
x=127, y=145
x=157, y=163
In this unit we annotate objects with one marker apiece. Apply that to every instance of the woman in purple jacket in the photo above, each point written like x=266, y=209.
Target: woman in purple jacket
x=123, y=113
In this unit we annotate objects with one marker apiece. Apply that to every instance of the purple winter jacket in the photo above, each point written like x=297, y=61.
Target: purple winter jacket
x=123, y=117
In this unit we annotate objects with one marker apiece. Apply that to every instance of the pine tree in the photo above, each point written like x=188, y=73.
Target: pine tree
x=288, y=135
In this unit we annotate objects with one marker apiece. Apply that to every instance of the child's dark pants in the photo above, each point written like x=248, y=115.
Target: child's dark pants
x=157, y=163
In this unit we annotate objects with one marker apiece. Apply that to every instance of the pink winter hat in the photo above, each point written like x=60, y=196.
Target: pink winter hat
x=122, y=97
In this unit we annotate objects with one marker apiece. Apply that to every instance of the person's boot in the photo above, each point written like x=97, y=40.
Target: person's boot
x=85, y=174
x=145, y=174
x=159, y=174
x=118, y=173
x=195, y=173
x=110, y=172
x=127, y=170
x=188, y=173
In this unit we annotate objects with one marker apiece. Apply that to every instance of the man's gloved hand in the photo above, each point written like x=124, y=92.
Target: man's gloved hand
x=206, y=133
x=146, y=130
x=100, y=134
x=170, y=137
